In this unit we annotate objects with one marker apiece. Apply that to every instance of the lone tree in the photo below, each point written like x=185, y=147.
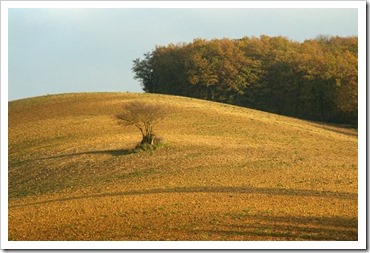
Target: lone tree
x=143, y=116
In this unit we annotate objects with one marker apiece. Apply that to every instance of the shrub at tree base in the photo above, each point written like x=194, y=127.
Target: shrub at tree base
x=158, y=143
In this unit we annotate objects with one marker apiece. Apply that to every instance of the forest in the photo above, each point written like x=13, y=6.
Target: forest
x=314, y=80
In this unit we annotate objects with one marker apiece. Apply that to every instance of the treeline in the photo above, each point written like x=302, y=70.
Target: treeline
x=315, y=79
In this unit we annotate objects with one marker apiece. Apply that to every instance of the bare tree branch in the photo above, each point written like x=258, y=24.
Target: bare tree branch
x=143, y=116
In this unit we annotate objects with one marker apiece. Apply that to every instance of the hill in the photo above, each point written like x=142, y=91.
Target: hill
x=226, y=173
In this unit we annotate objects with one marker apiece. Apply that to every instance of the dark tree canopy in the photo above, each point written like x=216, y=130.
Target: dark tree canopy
x=315, y=79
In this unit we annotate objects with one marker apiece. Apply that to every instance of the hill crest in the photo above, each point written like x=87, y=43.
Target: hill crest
x=223, y=164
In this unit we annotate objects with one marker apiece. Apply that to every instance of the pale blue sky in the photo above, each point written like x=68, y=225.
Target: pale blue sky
x=87, y=50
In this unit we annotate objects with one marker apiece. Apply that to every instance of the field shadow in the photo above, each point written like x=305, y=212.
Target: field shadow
x=240, y=190
x=112, y=152
x=287, y=228
x=252, y=226
x=337, y=128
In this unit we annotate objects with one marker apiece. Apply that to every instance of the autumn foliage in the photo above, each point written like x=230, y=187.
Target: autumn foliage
x=315, y=79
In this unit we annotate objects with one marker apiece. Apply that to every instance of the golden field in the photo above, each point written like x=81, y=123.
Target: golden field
x=225, y=173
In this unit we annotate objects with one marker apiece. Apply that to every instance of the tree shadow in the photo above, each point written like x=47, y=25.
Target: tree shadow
x=309, y=228
x=112, y=152
x=241, y=190
x=255, y=225
x=348, y=130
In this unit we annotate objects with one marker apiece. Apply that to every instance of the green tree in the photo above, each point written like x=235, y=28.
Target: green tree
x=143, y=70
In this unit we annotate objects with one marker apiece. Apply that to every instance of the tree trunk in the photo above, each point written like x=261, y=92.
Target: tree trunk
x=148, y=139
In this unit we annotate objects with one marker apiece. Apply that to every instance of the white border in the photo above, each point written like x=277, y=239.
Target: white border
x=4, y=126
x=360, y=244
x=225, y=245
x=182, y=4
x=362, y=109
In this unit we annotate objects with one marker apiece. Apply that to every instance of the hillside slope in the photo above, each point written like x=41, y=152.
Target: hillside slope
x=226, y=173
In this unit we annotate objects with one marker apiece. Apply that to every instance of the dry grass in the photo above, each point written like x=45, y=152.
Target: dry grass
x=227, y=173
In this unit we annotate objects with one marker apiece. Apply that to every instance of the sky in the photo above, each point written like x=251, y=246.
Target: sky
x=53, y=51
